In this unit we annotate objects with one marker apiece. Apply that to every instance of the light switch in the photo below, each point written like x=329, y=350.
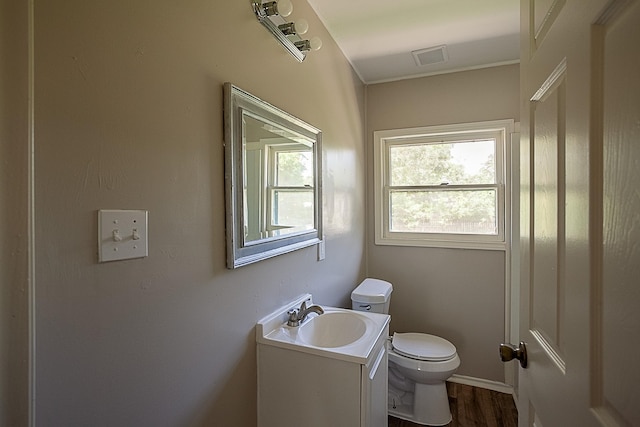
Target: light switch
x=122, y=234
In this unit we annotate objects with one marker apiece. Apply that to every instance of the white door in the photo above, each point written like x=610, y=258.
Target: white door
x=580, y=213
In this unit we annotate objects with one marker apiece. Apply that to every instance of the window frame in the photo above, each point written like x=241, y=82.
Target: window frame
x=271, y=188
x=501, y=130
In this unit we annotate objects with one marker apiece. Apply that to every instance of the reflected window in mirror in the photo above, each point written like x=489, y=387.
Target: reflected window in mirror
x=278, y=181
x=272, y=180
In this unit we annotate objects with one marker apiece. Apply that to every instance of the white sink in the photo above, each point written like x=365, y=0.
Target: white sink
x=338, y=333
x=333, y=329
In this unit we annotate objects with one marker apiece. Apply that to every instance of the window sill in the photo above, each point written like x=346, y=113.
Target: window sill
x=445, y=244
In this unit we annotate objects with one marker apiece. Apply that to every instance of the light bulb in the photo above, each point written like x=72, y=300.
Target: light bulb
x=292, y=28
x=302, y=26
x=285, y=7
x=315, y=43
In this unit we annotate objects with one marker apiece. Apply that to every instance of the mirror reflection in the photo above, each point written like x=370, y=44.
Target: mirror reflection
x=278, y=180
x=272, y=180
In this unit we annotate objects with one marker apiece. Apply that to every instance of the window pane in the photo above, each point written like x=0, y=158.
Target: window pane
x=294, y=168
x=465, y=162
x=292, y=209
x=457, y=212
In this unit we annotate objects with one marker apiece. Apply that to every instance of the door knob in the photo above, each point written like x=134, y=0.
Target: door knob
x=509, y=352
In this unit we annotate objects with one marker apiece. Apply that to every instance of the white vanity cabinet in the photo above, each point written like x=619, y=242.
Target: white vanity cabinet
x=319, y=390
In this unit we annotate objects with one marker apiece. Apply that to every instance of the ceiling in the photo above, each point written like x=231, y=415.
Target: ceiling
x=379, y=36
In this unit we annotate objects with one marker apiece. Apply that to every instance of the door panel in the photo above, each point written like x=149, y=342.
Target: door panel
x=579, y=249
x=547, y=281
x=616, y=372
x=580, y=212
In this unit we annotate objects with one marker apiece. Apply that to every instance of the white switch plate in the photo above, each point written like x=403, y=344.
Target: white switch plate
x=122, y=234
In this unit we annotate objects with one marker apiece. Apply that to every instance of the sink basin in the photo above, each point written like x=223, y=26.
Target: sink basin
x=338, y=333
x=333, y=329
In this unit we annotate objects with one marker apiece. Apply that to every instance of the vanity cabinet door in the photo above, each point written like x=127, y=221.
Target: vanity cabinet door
x=374, y=386
x=296, y=388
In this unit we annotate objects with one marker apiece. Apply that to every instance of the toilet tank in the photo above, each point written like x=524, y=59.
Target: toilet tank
x=372, y=295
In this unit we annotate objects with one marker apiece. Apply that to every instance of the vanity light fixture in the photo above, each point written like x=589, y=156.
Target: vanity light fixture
x=271, y=14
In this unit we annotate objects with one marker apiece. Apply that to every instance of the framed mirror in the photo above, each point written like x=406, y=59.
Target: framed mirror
x=272, y=180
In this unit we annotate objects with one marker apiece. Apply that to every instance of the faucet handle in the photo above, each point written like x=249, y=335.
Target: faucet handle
x=303, y=307
x=293, y=317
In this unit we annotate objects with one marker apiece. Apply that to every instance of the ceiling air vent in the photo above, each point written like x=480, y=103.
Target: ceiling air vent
x=431, y=55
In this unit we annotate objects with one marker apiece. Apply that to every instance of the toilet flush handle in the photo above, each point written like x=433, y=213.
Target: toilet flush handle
x=366, y=307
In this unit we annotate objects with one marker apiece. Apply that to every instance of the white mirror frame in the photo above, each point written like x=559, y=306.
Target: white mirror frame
x=239, y=252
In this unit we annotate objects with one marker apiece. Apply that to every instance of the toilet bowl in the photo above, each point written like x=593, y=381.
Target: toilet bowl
x=419, y=364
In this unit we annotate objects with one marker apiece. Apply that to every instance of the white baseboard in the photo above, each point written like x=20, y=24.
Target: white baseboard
x=482, y=383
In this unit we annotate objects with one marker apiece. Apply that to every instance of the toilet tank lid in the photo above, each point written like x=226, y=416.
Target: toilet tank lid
x=372, y=291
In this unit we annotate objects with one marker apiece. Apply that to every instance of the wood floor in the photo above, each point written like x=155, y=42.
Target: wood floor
x=474, y=407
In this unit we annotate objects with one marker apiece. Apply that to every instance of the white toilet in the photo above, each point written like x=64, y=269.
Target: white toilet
x=419, y=364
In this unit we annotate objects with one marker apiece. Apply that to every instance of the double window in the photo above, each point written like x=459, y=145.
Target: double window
x=442, y=186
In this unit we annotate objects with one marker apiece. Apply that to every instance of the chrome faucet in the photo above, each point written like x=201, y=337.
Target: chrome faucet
x=297, y=315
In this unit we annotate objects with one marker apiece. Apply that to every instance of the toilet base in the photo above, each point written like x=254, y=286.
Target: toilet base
x=429, y=405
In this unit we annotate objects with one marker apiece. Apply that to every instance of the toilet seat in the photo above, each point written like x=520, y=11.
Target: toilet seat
x=422, y=346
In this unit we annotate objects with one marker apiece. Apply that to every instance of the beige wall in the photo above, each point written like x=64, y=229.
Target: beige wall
x=129, y=115
x=457, y=294
x=13, y=213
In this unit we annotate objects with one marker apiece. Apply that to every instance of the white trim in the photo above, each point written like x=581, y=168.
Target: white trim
x=554, y=79
x=456, y=128
x=383, y=139
x=31, y=213
x=438, y=73
x=512, y=259
x=448, y=244
x=481, y=383
x=365, y=177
